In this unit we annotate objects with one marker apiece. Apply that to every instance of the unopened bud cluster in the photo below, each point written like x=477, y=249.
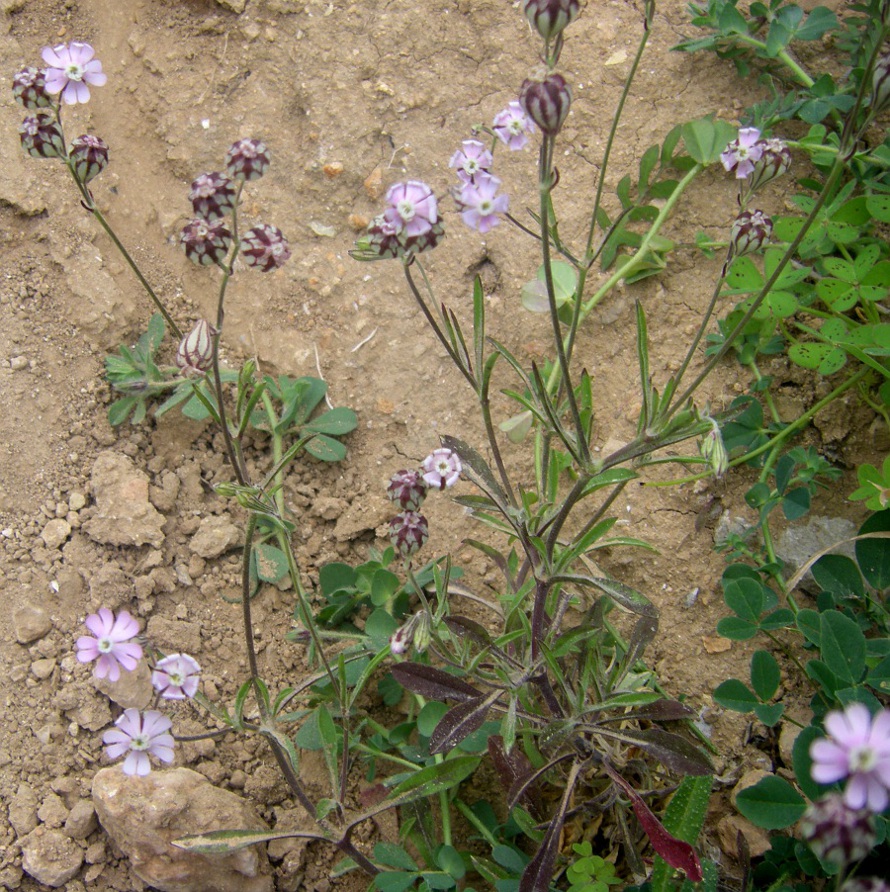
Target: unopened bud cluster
x=550, y=17
x=89, y=157
x=416, y=633
x=409, y=530
x=546, y=100
x=750, y=232
x=195, y=353
x=206, y=238
x=837, y=833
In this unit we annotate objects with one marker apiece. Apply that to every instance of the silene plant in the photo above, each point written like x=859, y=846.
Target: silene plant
x=548, y=682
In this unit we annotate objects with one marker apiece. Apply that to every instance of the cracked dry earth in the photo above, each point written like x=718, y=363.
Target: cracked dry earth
x=350, y=97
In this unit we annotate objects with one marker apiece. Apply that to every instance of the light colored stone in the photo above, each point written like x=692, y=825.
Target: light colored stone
x=23, y=810
x=728, y=830
x=55, y=533
x=214, y=536
x=30, y=623
x=81, y=820
x=124, y=515
x=132, y=690
x=144, y=814
x=50, y=857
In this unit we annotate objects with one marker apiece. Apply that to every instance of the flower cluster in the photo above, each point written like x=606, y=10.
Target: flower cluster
x=754, y=159
x=206, y=238
x=409, y=530
x=138, y=735
x=477, y=196
x=409, y=226
x=71, y=72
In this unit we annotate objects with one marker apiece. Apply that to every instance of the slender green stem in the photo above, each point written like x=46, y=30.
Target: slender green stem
x=246, y=594
x=93, y=208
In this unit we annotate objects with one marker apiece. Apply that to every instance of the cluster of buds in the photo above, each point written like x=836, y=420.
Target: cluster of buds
x=206, y=239
x=415, y=632
x=713, y=450
x=759, y=161
x=409, y=530
x=70, y=73
x=409, y=226
x=836, y=833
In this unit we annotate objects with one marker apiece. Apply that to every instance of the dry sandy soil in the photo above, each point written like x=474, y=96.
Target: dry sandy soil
x=345, y=94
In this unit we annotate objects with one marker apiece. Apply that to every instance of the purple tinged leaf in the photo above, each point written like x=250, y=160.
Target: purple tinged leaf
x=658, y=711
x=459, y=722
x=673, y=751
x=432, y=683
x=514, y=768
x=676, y=853
x=468, y=628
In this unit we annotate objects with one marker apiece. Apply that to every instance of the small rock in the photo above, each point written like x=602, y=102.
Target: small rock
x=714, y=644
x=214, y=536
x=18, y=363
x=23, y=811
x=81, y=820
x=132, y=690
x=55, y=533
x=43, y=668
x=52, y=811
x=50, y=857
x=77, y=501
x=174, y=635
x=30, y=623
x=333, y=169
x=328, y=508
x=798, y=543
x=143, y=814
x=124, y=515
x=728, y=830
x=237, y=6
x=374, y=184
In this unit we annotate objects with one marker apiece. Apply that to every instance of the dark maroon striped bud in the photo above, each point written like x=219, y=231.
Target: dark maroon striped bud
x=750, y=232
x=195, y=353
x=42, y=136
x=247, y=159
x=407, y=489
x=206, y=241
x=550, y=17
x=837, y=833
x=774, y=161
x=546, y=101
x=29, y=89
x=89, y=154
x=264, y=248
x=408, y=531
x=212, y=195
x=880, y=84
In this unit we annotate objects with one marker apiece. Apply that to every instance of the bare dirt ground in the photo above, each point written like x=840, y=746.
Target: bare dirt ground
x=345, y=94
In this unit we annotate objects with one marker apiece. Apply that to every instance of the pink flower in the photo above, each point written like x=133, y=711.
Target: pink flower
x=112, y=645
x=71, y=68
x=857, y=747
x=742, y=152
x=140, y=735
x=471, y=159
x=480, y=204
x=412, y=208
x=441, y=468
x=176, y=677
x=512, y=126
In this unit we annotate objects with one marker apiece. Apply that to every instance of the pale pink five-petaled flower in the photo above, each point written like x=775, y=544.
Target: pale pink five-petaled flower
x=479, y=203
x=176, y=677
x=512, y=126
x=139, y=735
x=112, y=645
x=742, y=152
x=72, y=71
x=441, y=468
x=857, y=747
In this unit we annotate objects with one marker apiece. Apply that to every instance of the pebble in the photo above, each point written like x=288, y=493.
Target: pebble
x=56, y=533
x=81, y=820
x=30, y=623
x=50, y=857
x=19, y=363
x=214, y=536
x=43, y=668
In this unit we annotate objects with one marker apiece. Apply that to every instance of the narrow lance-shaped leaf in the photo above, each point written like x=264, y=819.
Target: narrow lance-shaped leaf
x=673, y=751
x=432, y=683
x=676, y=852
x=477, y=470
x=459, y=722
x=223, y=842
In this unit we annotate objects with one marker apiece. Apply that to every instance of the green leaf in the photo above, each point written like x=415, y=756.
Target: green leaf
x=796, y=503
x=392, y=855
x=765, y=674
x=735, y=695
x=839, y=574
x=736, y=629
x=879, y=677
x=120, y=409
x=772, y=803
x=842, y=646
x=449, y=859
x=433, y=779
x=705, y=139
x=325, y=448
x=336, y=422
x=769, y=713
x=873, y=555
x=270, y=563
x=394, y=881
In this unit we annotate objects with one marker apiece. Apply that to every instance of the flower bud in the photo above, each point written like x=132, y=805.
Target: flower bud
x=550, y=17
x=29, y=89
x=247, y=159
x=713, y=451
x=89, y=155
x=837, y=833
x=546, y=102
x=206, y=242
x=407, y=489
x=774, y=161
x=42, y=137
x=195, y=353
x=880, y=84
x=212, y=195
x=383, y=241
x=264, y=248
x=408, y=531
x=750, y=232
